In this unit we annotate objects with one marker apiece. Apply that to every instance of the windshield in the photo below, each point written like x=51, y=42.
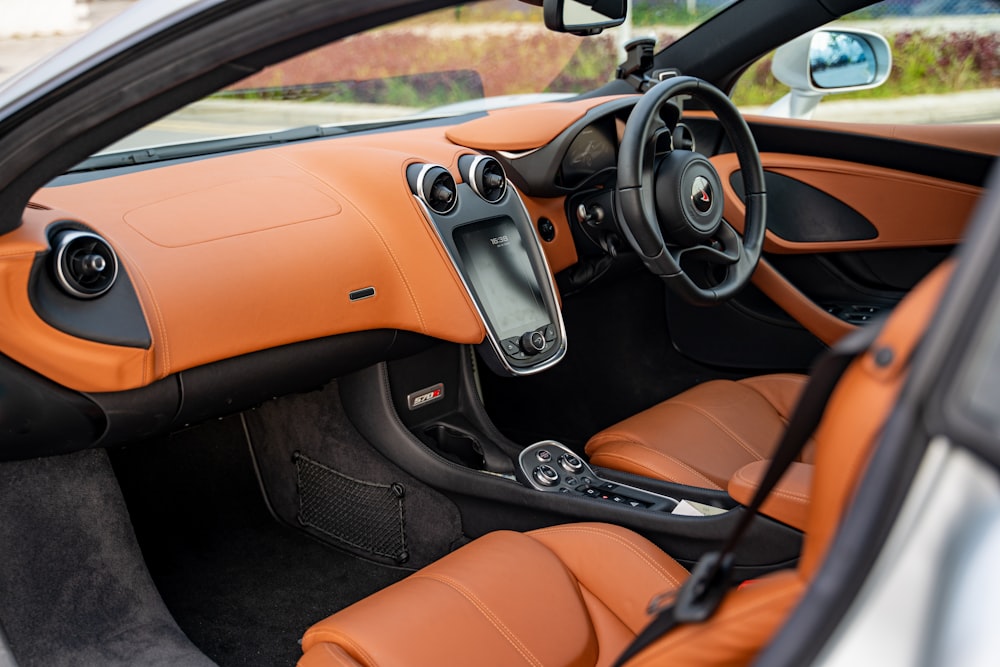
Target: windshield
x=466, y=58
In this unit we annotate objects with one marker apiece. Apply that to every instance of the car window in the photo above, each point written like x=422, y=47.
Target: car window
x=473, y=57
x=945, y=67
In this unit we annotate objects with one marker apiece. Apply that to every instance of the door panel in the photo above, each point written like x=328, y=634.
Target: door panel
x=906, y=210
x=857, y=214
x=956, y=153
x=801, y=213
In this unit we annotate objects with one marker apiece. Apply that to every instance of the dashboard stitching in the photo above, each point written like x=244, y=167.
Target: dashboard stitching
x=160, y=327
x=442, y=252
x=374, y=228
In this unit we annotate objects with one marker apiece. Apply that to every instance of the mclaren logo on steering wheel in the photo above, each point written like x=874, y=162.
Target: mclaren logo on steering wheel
x=701, y=194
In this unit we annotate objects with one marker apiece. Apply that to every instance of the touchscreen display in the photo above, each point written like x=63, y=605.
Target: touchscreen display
x=498, y=269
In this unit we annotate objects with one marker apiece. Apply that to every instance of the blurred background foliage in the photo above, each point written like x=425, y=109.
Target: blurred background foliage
x=501, y=48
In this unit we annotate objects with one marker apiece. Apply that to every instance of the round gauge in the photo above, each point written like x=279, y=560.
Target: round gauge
x=591, y=151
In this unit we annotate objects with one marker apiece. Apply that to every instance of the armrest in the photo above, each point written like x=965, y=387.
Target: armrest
x=788, y=502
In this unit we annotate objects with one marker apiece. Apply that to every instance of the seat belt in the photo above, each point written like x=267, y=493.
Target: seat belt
x=700, y=595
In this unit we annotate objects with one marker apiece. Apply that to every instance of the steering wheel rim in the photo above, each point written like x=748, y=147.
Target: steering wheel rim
x=649, y=190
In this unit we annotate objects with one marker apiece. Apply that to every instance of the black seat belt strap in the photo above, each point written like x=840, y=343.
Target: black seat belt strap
x=700, y=595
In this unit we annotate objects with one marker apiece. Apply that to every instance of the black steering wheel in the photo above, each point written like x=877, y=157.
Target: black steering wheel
x=671, y=204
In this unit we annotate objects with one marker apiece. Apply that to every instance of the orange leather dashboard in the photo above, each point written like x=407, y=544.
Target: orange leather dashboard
x=244, y=252
x=240, y=253
x=71, y=361
x=523, y=128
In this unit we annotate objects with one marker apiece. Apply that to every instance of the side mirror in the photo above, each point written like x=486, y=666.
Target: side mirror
x=826, y=62
x=583, y=17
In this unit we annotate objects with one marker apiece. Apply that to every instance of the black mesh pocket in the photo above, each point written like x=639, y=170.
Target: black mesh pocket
x=363, y=515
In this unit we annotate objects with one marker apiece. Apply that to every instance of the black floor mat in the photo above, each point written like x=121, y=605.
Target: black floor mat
x=73, y=588
x=243, y=587
x=361, y=498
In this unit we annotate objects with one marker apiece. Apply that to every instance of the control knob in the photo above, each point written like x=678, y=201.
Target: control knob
x=571, y=463
x=532, y=342
x=546, y=475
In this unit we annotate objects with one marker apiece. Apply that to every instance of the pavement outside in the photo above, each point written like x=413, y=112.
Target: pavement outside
x=17, y=53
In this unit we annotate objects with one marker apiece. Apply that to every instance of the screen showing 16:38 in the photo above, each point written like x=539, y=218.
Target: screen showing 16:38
x=500, y=274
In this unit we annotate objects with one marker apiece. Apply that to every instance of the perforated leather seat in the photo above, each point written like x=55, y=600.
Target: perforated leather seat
x=576, y=594
x=705, y=434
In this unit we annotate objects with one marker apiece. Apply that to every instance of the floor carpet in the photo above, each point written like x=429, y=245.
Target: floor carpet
x=242, y=586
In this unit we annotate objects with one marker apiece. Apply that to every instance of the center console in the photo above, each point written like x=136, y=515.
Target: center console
x=491, y=242
x=551, y=467
x=424, y=412
x=449, y=443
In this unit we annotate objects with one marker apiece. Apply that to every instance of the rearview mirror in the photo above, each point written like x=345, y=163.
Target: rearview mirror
x=583, y=17
x=824, y=62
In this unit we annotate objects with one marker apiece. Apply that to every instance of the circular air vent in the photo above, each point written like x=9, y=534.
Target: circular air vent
x=436, y=186
x=85, y=266
x=488, y=179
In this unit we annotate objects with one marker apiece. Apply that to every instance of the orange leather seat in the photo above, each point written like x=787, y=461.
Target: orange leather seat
x=576, y=594
x=705, y=434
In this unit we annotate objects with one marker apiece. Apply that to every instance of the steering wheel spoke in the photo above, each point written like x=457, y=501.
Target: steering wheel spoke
x=661, y=142
x=724, y=248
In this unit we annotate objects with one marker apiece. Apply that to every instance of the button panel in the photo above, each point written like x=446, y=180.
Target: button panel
x=855, y=313
x=612, y=496
x=530, y=343
x=550, y=466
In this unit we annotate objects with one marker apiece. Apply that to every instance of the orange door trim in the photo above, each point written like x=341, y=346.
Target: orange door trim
x=803, y=310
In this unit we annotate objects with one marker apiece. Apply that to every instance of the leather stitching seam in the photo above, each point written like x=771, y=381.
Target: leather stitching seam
x=495, y=620
x=718, y=624
x=657, y=452
x=636, y=549
x=653, y=472
x=378, y=233
x=784, y=493
x=722, y=427
x=158, y=315
x=337, y=637
x=606, y=608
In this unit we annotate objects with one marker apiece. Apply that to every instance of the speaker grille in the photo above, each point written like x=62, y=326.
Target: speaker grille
x=363, y=515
